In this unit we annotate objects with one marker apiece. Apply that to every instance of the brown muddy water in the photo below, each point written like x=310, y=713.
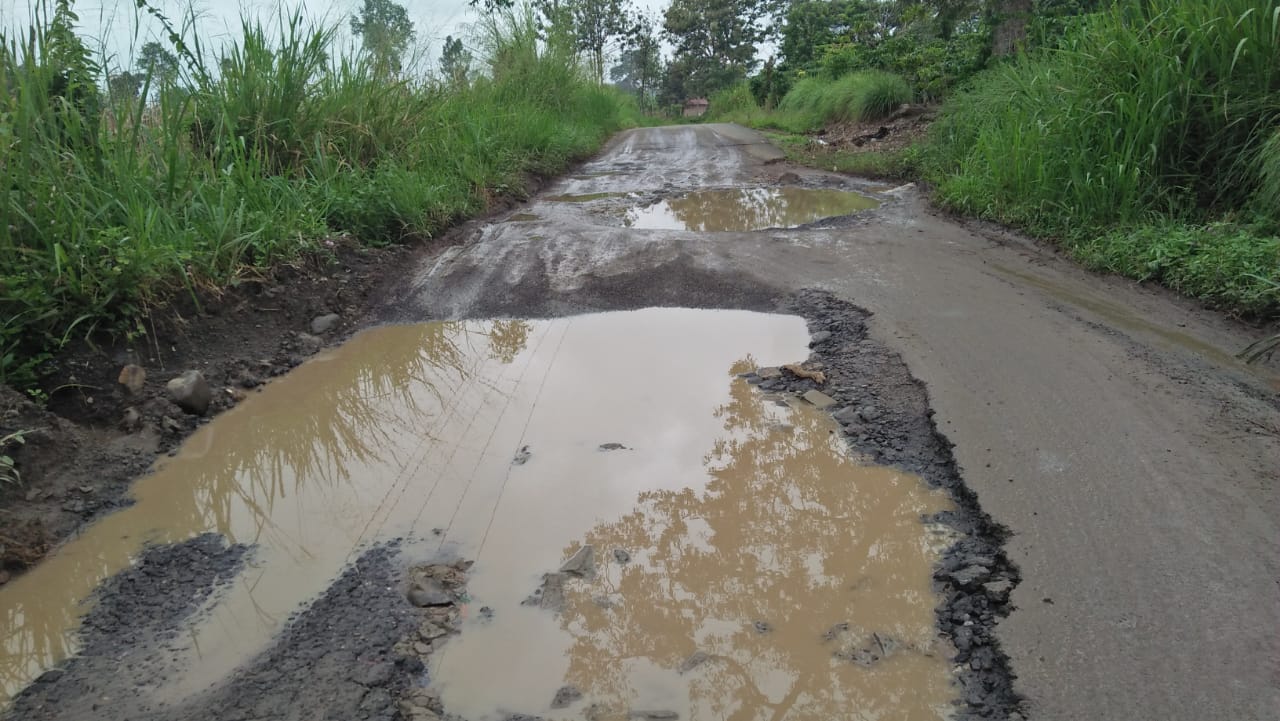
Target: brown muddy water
x=745, y=564
x=747, y=209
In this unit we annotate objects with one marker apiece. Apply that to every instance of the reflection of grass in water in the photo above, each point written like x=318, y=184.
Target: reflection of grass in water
x=366, y=405
x=368, y=402
x=784, y=516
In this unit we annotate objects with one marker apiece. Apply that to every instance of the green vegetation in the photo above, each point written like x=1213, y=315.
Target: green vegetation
x=1143, y=136
x=814, y=102
x=115, y=201
x=8, y=472
x=866, y=95
x=1146, y=143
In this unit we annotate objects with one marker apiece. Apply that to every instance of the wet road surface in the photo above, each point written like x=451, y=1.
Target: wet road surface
x=1106, y=426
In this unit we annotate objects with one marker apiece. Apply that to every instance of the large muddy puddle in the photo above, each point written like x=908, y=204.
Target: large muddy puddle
x=746, y=209
x=745, y=565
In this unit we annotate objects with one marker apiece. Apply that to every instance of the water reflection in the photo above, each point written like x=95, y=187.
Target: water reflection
x=789, y=535
x=307, y=469
x=743, y=209
x=745, y=533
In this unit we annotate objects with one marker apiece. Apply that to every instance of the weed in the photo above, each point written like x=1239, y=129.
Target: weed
x=1145, y=143
x=116, y=202
x=8, y=472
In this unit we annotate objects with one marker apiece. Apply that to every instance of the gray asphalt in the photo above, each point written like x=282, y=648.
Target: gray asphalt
x=1105, y=424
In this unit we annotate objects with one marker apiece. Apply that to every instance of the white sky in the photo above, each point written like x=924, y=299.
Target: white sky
x=119, y=29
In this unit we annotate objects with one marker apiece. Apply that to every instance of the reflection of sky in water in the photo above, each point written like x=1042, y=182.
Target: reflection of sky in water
x=289, y=470
x=773, y=525
x=402, y=430
x=743, y=209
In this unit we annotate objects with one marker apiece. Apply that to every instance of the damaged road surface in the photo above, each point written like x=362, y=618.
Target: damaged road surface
x=735, y=495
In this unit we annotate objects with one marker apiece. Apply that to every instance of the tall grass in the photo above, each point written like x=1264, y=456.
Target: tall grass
x=857, y=97
x=1147, y=142
x=113, y=204
x=816, y=101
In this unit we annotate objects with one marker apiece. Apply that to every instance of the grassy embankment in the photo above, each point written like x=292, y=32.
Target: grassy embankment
x=113, y=204
x=1147, y=144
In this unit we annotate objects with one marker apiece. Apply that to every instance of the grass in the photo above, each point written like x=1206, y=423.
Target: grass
x=114, y=204
x=815, y=102
x=896, y=165
x=1146, y=144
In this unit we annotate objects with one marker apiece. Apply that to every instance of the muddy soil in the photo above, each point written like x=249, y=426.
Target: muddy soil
x=349, y=655
x=338, y=660
x=94, y=435
x=936, y=285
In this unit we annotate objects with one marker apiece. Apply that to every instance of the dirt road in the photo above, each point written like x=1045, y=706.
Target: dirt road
x=1105, y=426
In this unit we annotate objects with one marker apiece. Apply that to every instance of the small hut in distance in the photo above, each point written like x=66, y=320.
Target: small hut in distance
x=694, y=107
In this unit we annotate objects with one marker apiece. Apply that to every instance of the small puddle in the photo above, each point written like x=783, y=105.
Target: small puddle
x=747, y=529
x=584, y=198
x=746, y=209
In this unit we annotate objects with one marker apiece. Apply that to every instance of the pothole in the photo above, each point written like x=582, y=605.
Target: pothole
x=777, y=577
x=740, y=557
x=747, y=209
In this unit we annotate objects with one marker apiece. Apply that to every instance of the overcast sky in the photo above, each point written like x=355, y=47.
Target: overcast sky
x=114, y=25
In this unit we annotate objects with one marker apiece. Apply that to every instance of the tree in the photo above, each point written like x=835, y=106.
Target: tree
x=639, y=67
x=715, y=43
x=813, y=24
x=125, y=85
x=455, y=61
x=385, y=30
x=159, y=63
x=596, y=24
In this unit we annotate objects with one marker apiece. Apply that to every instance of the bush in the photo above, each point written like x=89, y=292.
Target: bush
x=108, y=212
x=931, y=65
x=814, y=101
x=735, y=102
x=1154, y=117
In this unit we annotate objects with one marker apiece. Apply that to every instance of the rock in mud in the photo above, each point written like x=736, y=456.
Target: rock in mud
x=967, y=576
x=998, y=588
x=695, y=660
x=522, y=456
x=190, y=391
x=582, y=564
x=379, y=674
x=566, y=697
x=429, y=592
x=132, y=420
x=322, y=324
x=769, y=373
x=654, y=715
x=551, y=595
x=430, y=631
x=613, y=447
x=819, y=337
x=308, y=343
x=621, y=556
x=820, y=400
x=846, y=415
x=789, y=178
x=133, y=378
